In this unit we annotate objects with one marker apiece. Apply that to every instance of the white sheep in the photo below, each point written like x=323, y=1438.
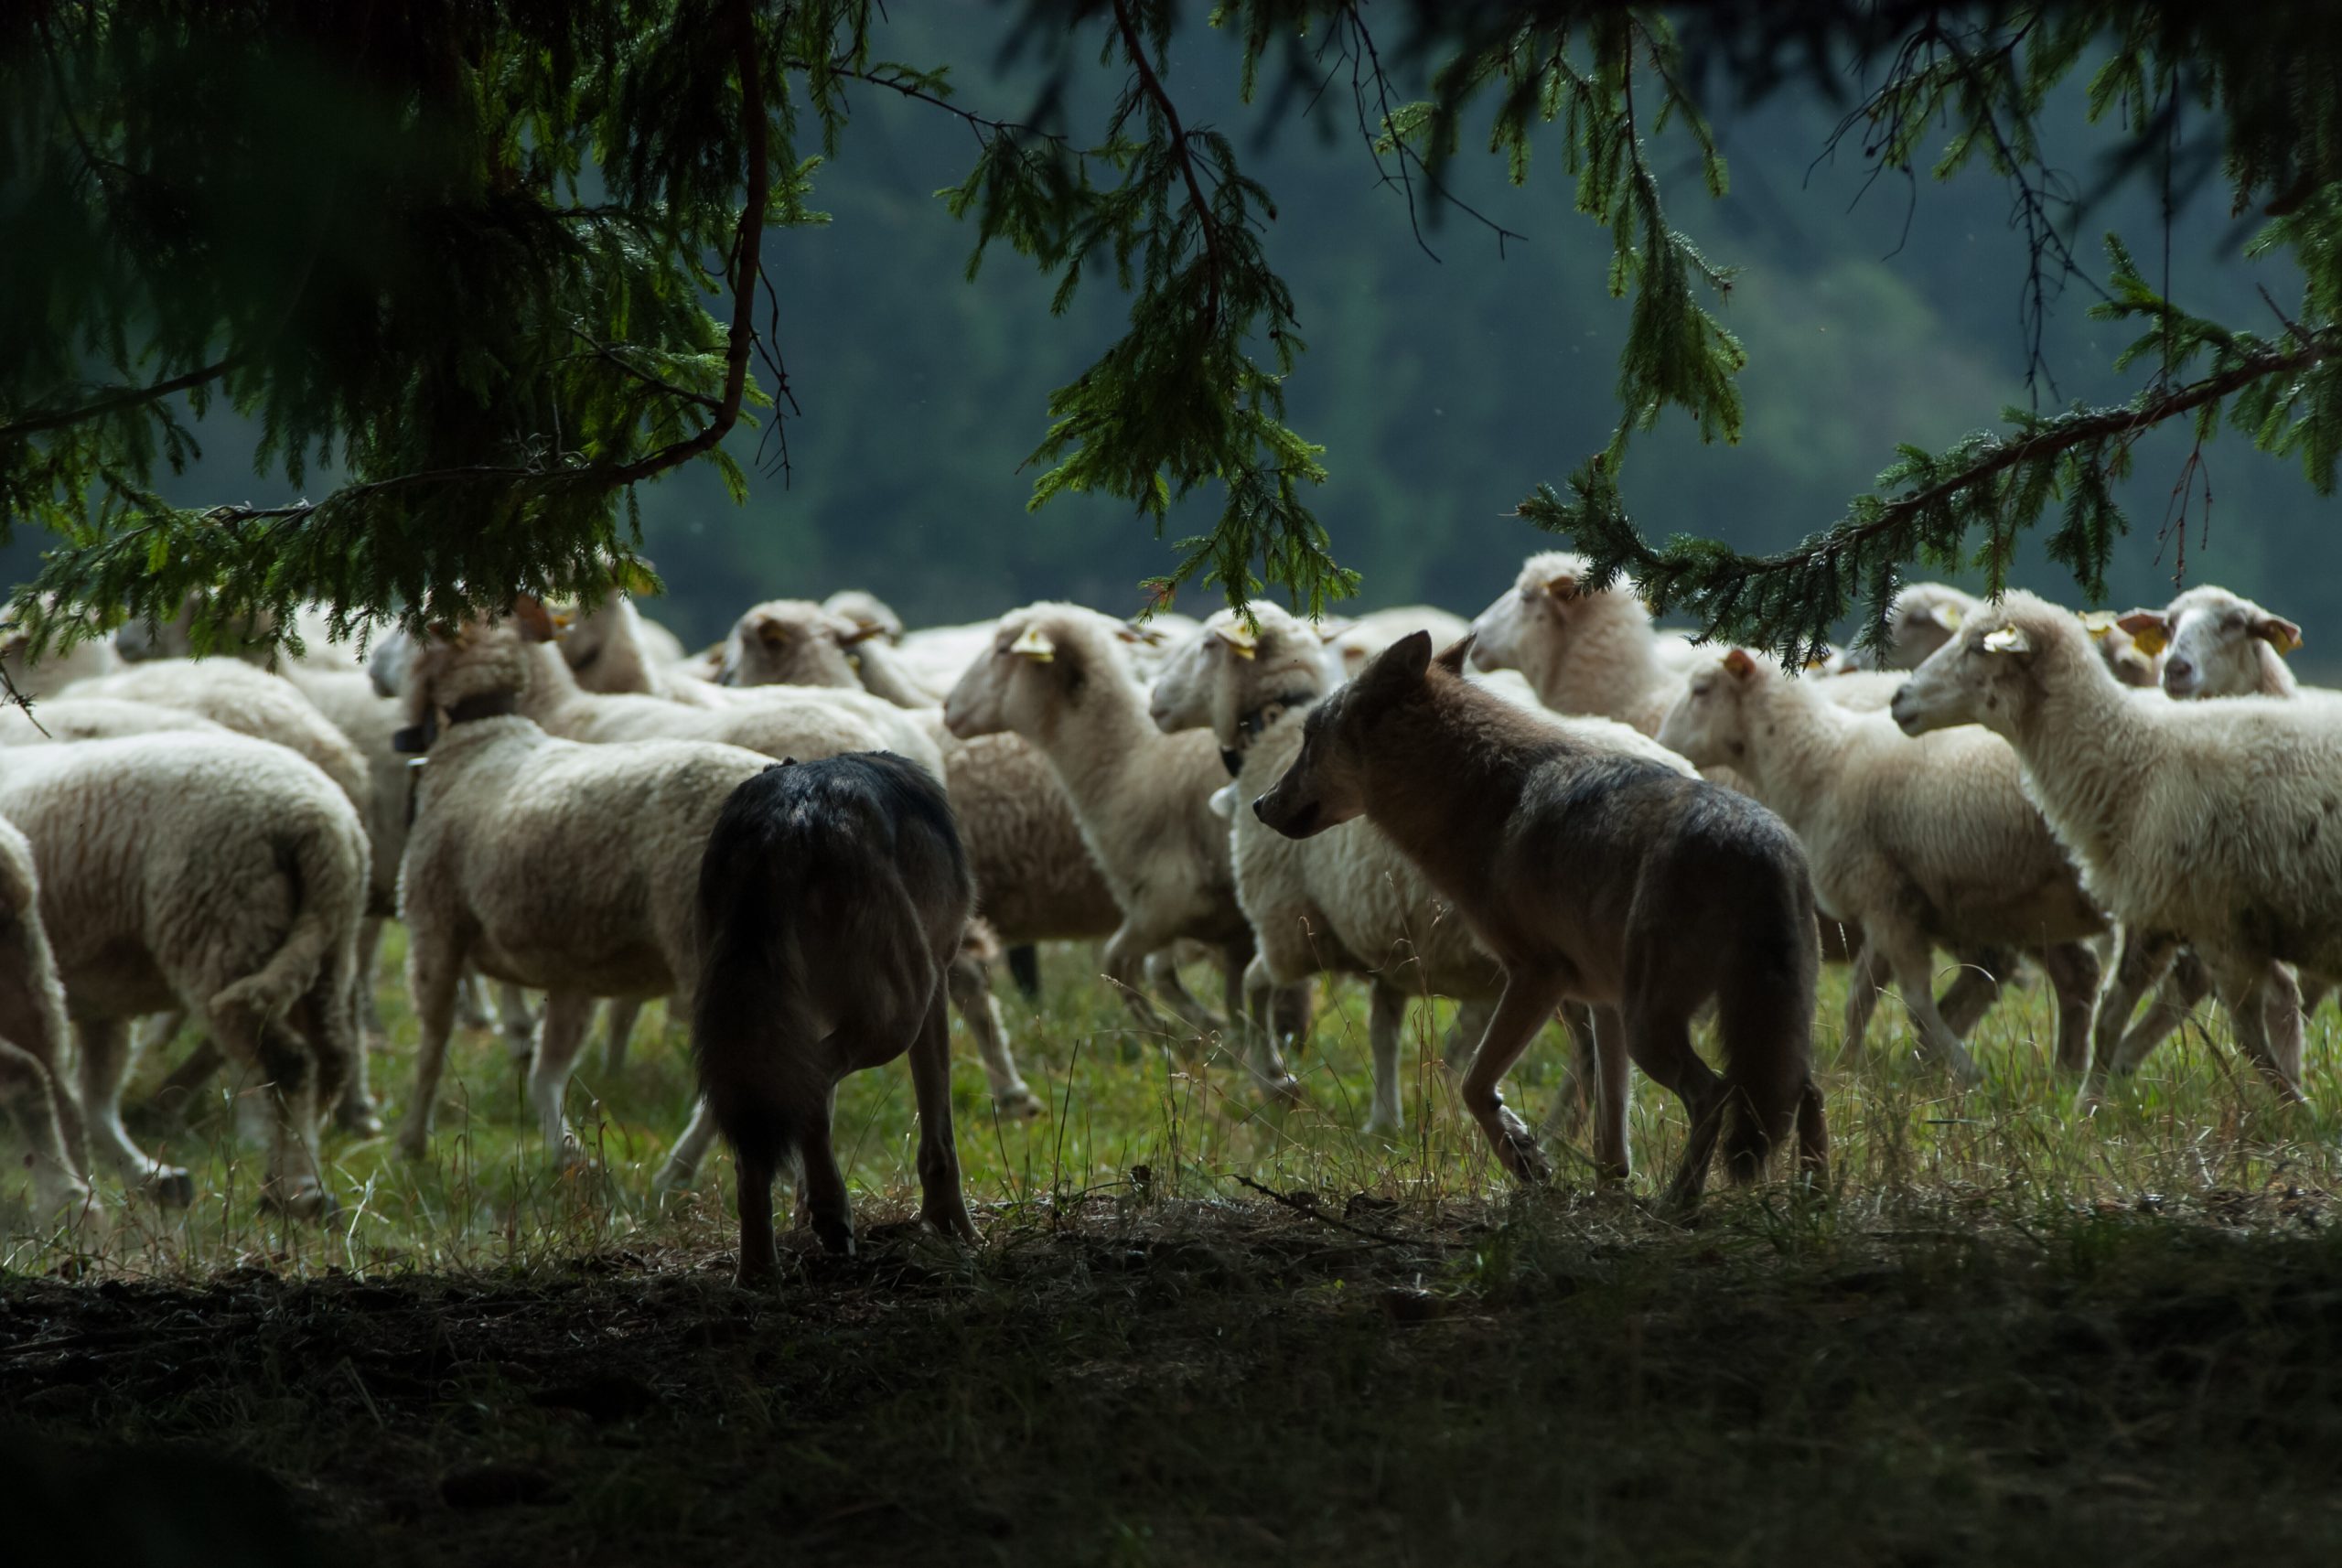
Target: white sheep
x=1921, y=844
x=614, y=648
x=57, y=668
x=50, y=722
x=220, y=875
x=1055, y=675
x=1354, y=641
x=866, y=611
x=33, y=1036
x=2215, y=643
x=2213, y=823
x=546, y=862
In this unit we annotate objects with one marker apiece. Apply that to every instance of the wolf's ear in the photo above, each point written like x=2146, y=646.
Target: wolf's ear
x=1398, y=666
x=1451, y=658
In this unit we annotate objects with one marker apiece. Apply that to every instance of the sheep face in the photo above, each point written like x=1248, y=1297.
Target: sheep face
x=1708, y=725
x=1983, y=676
x=792, y=643
x=2214, y=642
x=478, y=659
x=1181, y=699
x=1036, y=667
x=1326, y=784
x=586, y=638
x=1537, y=615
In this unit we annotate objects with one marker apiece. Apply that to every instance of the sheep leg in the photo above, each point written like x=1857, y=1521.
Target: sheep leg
x=2140, y=959
x=471, y=1003
x=513, y=1018
x=1025, y=969
x=1386, y=1019
x=433, y=975
x=2073, y=972
x=971, y=994
x=105, y=1063
x=1128, y=952
x=1862, y=990
x=1262, y=1056
x=2176, y=991
x=682, y=1161
x=619, y=1016
x=294, y=1184
x=942, y=1204
x=31, y=1094
x=1983, y=971
x=2281, y=1013
x=568, y=1016
x=1612, y=1160
x=1528, y=1000
x=1292, y=1011
x=1463, y=1034
x=1907, y=957
x=1576, y=1094
x=370, y=1009
x=2250, y=991
x=185, y=1081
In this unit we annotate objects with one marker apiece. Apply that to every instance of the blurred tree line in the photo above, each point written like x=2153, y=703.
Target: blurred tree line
x=1443, y=389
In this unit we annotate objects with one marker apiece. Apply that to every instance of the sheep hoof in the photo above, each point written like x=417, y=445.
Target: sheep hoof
x=303, y=1199
x=414, y=1145
x=170, y=1187
x=360, y=1117
x=1385, y=1124
x=1285, y=1092
x=1018, y=1105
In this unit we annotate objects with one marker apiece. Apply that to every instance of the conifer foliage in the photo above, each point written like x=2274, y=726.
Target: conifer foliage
x=479, y=268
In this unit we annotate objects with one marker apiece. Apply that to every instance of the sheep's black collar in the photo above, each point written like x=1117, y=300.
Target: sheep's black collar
x=417, y=738
x=1253, y=720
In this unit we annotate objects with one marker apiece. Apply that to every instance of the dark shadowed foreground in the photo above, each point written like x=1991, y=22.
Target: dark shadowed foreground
x=1185, y=1381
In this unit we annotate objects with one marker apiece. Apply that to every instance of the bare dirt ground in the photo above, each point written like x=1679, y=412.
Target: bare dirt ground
x=1324, y=1379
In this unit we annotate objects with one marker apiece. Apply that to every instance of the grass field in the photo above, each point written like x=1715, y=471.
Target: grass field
x=2006, y=1334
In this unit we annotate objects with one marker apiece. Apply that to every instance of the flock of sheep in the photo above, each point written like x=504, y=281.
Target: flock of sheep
x=533, y=796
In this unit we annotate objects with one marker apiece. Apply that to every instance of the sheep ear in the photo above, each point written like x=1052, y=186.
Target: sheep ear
x=1561, y=584
x=1451, y=658
x=2150, y=632
x=2278, y=633
x=2007, y=639
x=773, y=633
x=535, y=623
x=853, y=631
x=1738, y=665
x=1035, y=645
x=1945, y=615
x=1242, y=639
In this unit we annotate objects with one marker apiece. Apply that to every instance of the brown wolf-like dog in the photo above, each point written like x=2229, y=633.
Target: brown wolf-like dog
x=832, y=898
x=1589, y=875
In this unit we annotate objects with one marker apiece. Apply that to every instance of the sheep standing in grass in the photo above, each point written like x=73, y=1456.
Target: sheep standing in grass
x=1922, y=843
x=545, y=863
x=2218, y=824
x=33, y=1039
x=1057, y=677
x=220, y=875
x=1592, y=874
x=833, y=895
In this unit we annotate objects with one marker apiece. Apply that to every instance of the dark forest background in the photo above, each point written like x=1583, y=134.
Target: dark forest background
x=1443, y=390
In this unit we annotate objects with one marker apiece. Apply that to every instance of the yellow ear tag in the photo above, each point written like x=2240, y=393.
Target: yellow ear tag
x=2150, y=641
x=2284, y=642
x=2098, y=623
x=1240, y=642
x=1035, y=645
x=2005, y=640
x=1947, y=617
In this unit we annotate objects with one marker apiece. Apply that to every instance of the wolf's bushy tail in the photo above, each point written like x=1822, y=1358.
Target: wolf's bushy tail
x=1765, y=1018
